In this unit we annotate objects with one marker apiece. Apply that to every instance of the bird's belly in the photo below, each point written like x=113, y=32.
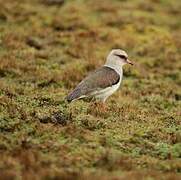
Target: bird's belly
x=105, y=93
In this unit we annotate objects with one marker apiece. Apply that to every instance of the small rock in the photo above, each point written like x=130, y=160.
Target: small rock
x=57, y=118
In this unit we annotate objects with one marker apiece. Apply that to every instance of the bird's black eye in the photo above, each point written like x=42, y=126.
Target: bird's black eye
x=121, y=56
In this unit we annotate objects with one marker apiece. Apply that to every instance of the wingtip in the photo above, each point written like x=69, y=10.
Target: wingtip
x=73, y=95
x=68, y=99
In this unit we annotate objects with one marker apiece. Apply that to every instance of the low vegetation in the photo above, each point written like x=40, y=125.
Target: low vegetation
x=47, y=47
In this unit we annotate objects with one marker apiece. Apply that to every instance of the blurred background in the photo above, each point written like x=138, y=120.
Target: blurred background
x=47, y=47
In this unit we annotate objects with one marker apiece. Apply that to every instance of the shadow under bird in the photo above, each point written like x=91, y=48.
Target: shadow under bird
x=104, y=81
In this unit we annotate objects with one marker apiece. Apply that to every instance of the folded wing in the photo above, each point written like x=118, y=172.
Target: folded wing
x=100, y=79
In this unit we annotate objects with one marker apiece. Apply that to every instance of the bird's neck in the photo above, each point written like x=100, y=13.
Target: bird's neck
x=115, y=63
x=118, y=69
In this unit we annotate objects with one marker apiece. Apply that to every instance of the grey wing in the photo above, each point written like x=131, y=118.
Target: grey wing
x=100, y=79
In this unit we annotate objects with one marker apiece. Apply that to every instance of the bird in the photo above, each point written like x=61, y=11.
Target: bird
x=104, y=81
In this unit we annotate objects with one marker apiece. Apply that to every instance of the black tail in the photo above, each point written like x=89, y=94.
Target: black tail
x=75, y=94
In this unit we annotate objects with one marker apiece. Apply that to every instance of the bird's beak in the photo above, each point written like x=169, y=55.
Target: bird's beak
x=129, y=62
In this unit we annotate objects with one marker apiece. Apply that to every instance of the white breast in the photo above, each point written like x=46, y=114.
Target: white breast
x=105, y=93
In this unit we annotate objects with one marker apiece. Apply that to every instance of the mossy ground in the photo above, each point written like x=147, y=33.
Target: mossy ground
x=45, y=50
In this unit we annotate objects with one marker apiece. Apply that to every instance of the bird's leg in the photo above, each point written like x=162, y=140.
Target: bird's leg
x=98, y=108
x=102, y=106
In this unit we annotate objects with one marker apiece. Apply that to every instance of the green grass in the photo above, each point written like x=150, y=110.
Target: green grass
x=45, y=50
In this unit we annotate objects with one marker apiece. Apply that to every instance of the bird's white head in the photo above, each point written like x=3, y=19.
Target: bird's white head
x=117, y=58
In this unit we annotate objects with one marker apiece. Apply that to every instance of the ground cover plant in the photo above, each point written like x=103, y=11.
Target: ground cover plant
x=47, y=47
